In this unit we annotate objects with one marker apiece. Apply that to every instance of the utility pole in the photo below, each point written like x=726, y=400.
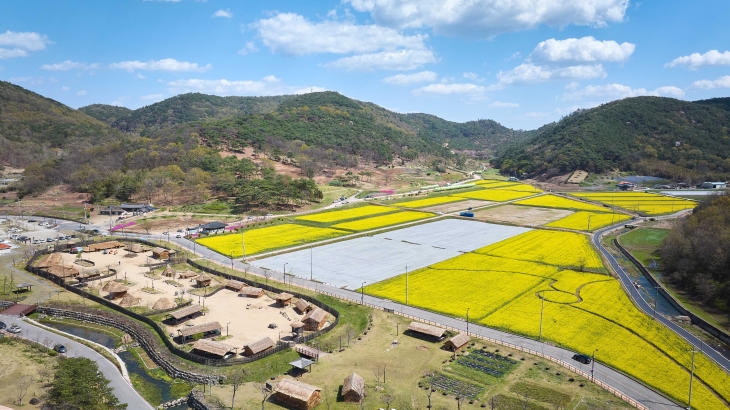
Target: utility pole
x=310, y=263
x=691, y=378
x=362, y=294
x=593, y=364
x=243, y=244
x=656, y=296
x=406, y=284
x=285, y=272
x=542, y=310
x=467, y=321
x=589, y=222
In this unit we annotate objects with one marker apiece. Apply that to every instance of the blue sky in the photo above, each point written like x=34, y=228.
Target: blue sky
x=522, y=63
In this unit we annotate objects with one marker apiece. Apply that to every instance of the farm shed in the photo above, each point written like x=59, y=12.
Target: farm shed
x=115, y=289
x=186, y=313
x=315, y=319
x=187, y=274
x=235, y=285
x=163, y=303
x=427, y=330
x=296, y=326
x=251, y=292
x=160, y=253
x=137, y=207
x=457, y=342
x=258, y=346
x=206, y=329
x=169, y=271
x=202, y=281
x=214, y=226
x=302, y=306
x=353, y=388
x=297, y=395
x=283, y=299
x=211, y=348
x=129, y=300
x=136, y=248
x=111, y=210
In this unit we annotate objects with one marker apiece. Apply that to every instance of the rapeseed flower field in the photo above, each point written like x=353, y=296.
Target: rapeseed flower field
x=642, y=202
x=422, y=203
x=588, y=221
x=553, y=201
x=383, y=221
x=498, y=195
x=344, y=214
x=267, y=239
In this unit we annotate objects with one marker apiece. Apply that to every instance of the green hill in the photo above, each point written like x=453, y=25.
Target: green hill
x=647, y=135
x=105, y=113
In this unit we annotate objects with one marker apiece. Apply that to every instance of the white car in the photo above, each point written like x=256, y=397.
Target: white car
x=178, y=236
x=14, y=329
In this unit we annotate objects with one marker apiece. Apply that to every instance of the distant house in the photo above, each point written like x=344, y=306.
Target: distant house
x=251, y=292
x=714, y=185
x=212, y=227
x=211, y=348
x=258, y=346
x=139, y=208
x=205, y=330
x=457, y=342
x=315, y=319
x=111, y=210
x=160, y=253
x=283, y=299
x=186, y=313
x=297, y=395
x=202, y=281
x=302, y=306
x=235, y=285
x=353, y=388
x=434, y=332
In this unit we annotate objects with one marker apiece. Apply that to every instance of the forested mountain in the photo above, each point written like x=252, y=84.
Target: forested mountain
x=723, y=103
x=658, y=136
x=105, y=113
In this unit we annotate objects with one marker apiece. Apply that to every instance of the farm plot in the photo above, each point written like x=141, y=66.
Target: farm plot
x=267, y=239
x=646, y=203
x=492, y=364
x=457, y=206
x=553, y=201
x=588, y=221
x=456, y=387
x=345, y=214
x=521, y=215
x=497, y=195
x=421, y=203
x=375, y=258
x=383, y=221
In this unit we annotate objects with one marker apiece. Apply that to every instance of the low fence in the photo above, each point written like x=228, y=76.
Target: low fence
x=696, y=320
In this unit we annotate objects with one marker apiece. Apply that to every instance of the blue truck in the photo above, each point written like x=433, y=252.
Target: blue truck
x=467, y=214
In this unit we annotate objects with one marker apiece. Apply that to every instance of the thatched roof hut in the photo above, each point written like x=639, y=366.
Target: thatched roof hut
x=297, y=395
x=315, y=319
x=303, y=306
x=135, y=248
x=103, y=246
x=62, y=271
x=163, y=304
x=427, y=330
x=258, y=346
x=160, y=253
x=52, y=259
x=187, y=274
x=296, y=325
x=169, y=271
x=115, y=289
x=202, y=280
x=284, y=299
x=186, y=313
x=251, y=292
x=353, y=388
x=129, y=300
x=206, y=329
x=457, y=342
x=235, y=285
x=212, y=348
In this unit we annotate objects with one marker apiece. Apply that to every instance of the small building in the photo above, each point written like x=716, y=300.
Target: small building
x=251, y=292
x=169, y=271
x=138, y=208
x=212, y=348
x=163, y=304
x=303, y=306
x=427, y=330
x=187, y=274
x=235, y=285
x=160, y=253
x=296, y=326
x=23, y=287
x=104, y=246
x=129, y=301
x=315, y=319
x=258, y=346
x=353, y=388
x=115, y=289
x=283, y=299
x=714, y=185
x=457, y=342
x=205, y=330
x=212, y=227
x=297, y=395
x=202, y=281
x=62, y=271
x=186, y=313
x=135, y=248
x=111, y=210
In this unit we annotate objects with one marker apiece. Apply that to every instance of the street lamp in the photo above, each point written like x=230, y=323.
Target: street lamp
x=227, y=328
x=691, y=378
x=362, y=293
x=593, y=365
x=467, y=321
x=286, y=263
x=656, y=297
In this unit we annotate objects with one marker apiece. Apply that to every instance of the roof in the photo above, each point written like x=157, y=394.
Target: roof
x=114, y=287
x=136, y=248
x=251, y=291
x=317, y=315
x=353, y=382
x=135, y=206
x=205, y=327
x=24, y=285
x=105, y=245
x=62, y=271
x=296, y=389
x=260, y=345
x=301, y=304
x=301, y=363
x=4, y=246
x=296, y=324
x=158, y=250
x=186, y=311
x=202, y=278
x=169, y=271
x=460, y=340
x=213, y=225
x=235, y=284
x=188, y=274
x=50, y=260
x=163, y=303
x=283, y=296
x=434, y=331
x=212, y=347
x=129, y=300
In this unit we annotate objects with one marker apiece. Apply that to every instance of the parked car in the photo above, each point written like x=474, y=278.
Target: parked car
x=180, y=230
x=582, y=358
x=166, y=233
x=178, y=236
x=269, y=215
x=49, y=239
x=14, y=329
x=3, y=325
x=60, y=348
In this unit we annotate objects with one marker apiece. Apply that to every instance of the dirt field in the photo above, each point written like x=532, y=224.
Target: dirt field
x=18, y=360
x=165, y=222
x=58, y=201
x=523, y=215
x=457, y=206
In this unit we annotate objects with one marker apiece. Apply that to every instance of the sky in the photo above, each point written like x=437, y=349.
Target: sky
x=522, y=63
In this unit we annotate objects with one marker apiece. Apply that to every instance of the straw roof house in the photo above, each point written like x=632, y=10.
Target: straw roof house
x=303, y=306
x=428, y=330
x=297, y=395
x=52, y=259
x=129, y=300
x=160, y=253
x=103, y=246
x=212, y=348
x=235, y=285
x=135, y=248
x=169, y=271
x=315, y=319
x=187, y=274
x=296, y=325
x=251, y=292
x=202, y=280
x=258, y=346
x=353, y=388
x=62, y=271
x=186, y=312
x=457, y=342
x=284, y=299
x=115, y=289
x=206, y=329
x=163, y=303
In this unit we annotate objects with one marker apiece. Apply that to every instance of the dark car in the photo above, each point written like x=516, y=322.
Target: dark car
x=3, y=325
x=60, y=348
x=582, y=358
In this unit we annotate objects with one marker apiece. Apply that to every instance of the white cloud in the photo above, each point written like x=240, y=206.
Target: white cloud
x=25, y=40
x=528, y=73
x=166, y=64
x=69, y=65
x=581, y=50
x=573, y=85
x=447, y=89
x=141, y=77
x=269, y=85
x=486, y=18
x=64, y=88
x=499, y=104
x=12, y=53
x=617, y=91
x=223, y=13
x=470, y=75
x=82, y=92
x=292, y=34
x=250, y=47
x=697, y=60
x=28, y=80
x=721, y=82
x=408, y=79
x=401, y=60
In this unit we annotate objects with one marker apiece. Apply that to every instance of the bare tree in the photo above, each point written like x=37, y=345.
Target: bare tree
x=387, y=398
x=350, y=333
x=494, y=402
x=430, y=388
x=45, y=373
x=265, y=393
x=377, y=375
x=21, y=385
x=582, y=263
x=236, y=380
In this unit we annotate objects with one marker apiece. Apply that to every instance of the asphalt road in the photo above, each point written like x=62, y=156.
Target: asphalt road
x=122, y=389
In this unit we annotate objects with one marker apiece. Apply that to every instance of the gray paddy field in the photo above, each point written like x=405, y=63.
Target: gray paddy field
x=375, y=258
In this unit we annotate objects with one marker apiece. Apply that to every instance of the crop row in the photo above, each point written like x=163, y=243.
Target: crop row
x=554, y=201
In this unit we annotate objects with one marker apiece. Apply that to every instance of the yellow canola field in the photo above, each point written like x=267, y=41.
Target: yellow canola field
x=498, y=195
x=341, y=215
x=421, y=203
x=647, y=203
x=588, y=221
x=553, y=201
x=507, y=186
x=383, y=221
x=493, y=183
x=267, y=239
x=563, y=249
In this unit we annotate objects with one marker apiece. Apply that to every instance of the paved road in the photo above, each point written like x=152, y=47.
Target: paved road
x=122, y=389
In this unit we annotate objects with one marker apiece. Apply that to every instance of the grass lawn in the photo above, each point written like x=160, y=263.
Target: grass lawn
x=330, y=194
x=19, y=361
